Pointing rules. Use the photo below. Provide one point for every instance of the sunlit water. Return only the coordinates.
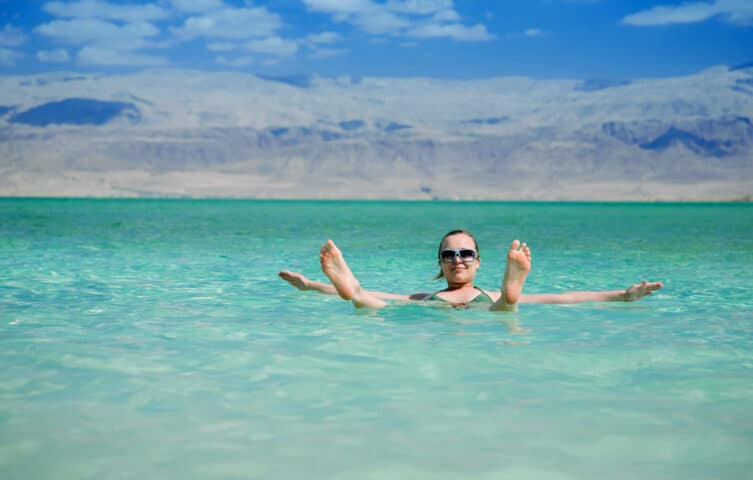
(153, 340)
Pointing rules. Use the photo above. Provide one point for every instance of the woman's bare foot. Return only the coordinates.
(516, 271)
(338, 272)
(346, 284)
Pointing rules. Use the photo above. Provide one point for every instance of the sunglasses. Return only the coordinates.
(466, 255)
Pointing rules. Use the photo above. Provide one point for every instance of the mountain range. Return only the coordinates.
(203, 134)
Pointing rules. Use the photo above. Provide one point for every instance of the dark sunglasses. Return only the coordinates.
(466, 255)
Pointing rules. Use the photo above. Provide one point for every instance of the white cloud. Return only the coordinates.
(324, 37)
(380, 21)
(275, 46)
(97, 9)
(59, 55)
(109, 33)
(412, 18)
(235, 62)
(231, 23)
(81, 31)
(9, 57)
(446, 16)
(323, 53)
(221, 46)
(11, 36)
(418, 7)
(314, 43)
(196, 6)
(454, 31)
(731, 11)
(660, 15)
(365, 14)
(103, 43)
(338, 7)
(534, 32)
(227, 27)
(98, 55)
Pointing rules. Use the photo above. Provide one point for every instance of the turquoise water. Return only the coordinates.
(153, 339)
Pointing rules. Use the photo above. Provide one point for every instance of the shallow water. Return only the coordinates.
(153, 339)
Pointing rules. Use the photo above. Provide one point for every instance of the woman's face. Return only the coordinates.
(458, 271)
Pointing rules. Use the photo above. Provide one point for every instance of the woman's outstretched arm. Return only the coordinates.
(630, 294)
(301, 282)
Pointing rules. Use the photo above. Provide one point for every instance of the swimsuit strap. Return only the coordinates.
(482, 294)
(481, 297)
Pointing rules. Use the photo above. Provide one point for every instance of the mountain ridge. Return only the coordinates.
(513, 137)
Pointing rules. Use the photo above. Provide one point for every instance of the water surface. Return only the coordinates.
(153, 339)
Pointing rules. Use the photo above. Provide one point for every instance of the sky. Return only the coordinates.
(456, 39)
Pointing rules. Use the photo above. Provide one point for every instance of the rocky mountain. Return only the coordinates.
(221, 134)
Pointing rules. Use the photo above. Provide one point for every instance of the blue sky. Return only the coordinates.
(395, 38)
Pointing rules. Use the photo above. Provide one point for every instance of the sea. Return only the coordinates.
(153, 339)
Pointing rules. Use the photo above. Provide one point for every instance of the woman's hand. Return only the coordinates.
(296, 279)
(640, 290)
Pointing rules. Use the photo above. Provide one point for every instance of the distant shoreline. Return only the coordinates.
(744, 200)
(209, 184)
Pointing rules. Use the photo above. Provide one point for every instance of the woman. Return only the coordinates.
(459, 260)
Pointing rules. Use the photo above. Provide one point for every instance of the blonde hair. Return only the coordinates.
(449, 234)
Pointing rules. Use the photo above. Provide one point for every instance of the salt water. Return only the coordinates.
(152, 339)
